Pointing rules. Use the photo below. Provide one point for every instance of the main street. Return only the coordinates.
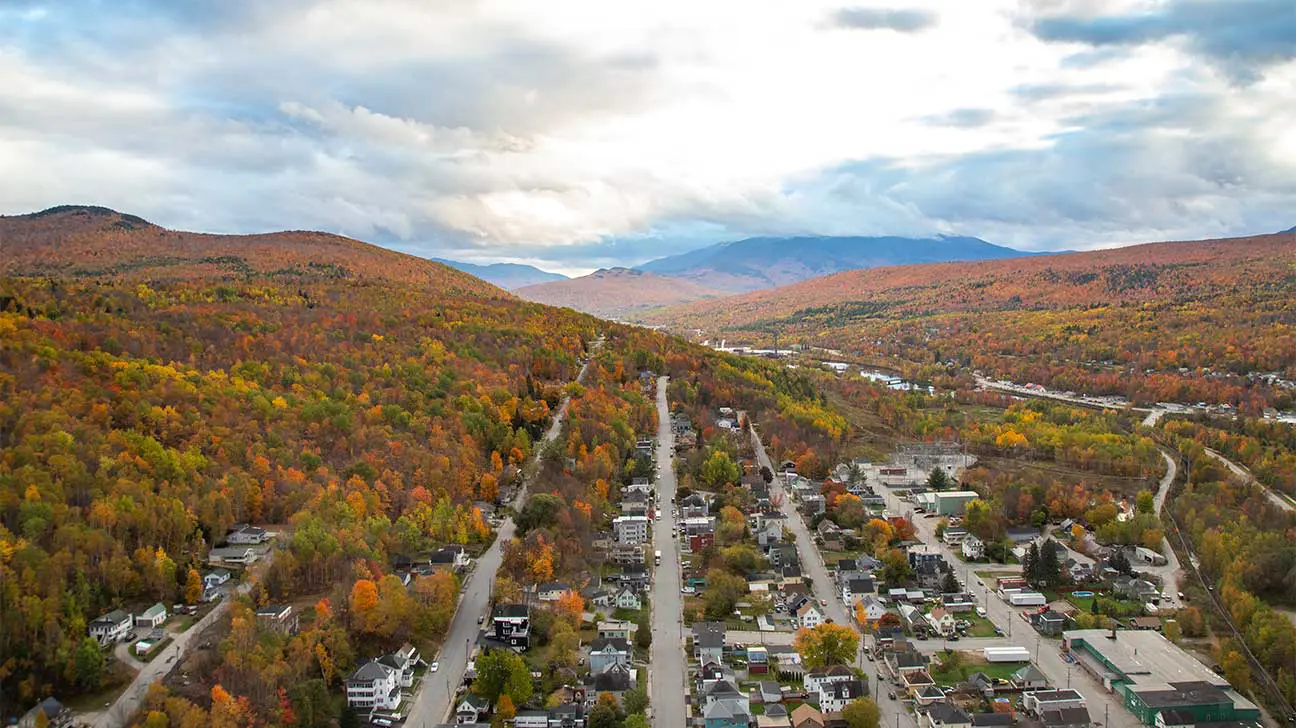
(893, 713)
(667, 674)
(432, 702)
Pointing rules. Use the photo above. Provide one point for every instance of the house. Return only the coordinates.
(980, 682)
(708, 642)
(954, 536)
(1050, 623)
(858, 587)
(927, 695)
(835, 696)
(871, 608)
(769, 533)
(601, 597)
(630, 529)
(215, 578)
(111, 627)
(958, 603)
(695, 505)
(454, 557)
(944, 715)
(470, 709)
(915, 680)
(775, 716)
(1068, 718)
(531, 719)
(552, 591)
(1039, 701)
(615, 678)
(627, 599)
(827, 530)
(806, 716)
(403, 661)
(809, 616)
(567, 715)
(973, 548)
(56, 716)
(511, 625)
(278, 618)
(1029, 678)
(625, 554)
(244, 534)
(725, 714)
(154, 616)
(711, 673)
(616, 629)
(812, 504)
(820, 677)
(784, 553)
(374, 686)
(941, 621)
(233, 555)
(608, 651)
(634, 503)
(724, 690)
(1144, 623)
(770, 692)
(634, 576)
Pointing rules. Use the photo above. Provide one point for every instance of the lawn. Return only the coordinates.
(981, 627)
(967, 663)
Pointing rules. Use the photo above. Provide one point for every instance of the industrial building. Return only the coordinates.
(947, 503)
(1152, 676)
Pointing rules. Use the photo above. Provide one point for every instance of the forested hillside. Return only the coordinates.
(1185, 322)
(359, 402)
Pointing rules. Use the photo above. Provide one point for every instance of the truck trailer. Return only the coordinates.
(1027, 599)
(1006, 654)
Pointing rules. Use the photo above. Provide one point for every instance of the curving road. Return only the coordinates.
(431, 704)
(1274, 497)
(667, 673)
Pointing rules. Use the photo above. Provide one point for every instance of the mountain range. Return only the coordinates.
(755, 263)
(615, 293)
(509, 276)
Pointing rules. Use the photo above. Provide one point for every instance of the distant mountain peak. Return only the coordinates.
(89, 212)
(509, 276)
(1290, 230)
(765, 262)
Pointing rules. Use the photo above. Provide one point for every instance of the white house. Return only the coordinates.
(872, 608)
(240, 555)
(605, 652)
(627, 599)
(215, 578)
(470, 709)
(403, 661)
(616, 629)
(816, 679)
(374, 686)
(630, 529)
(809, 616)
(154, 616)
(111, 627)
(973, 547)
(243, 534)
(1039, 701)
(835, 696)
(941, 620)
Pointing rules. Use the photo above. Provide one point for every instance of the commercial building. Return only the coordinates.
(1151, 675)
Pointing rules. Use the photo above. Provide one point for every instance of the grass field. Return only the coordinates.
(966, 663)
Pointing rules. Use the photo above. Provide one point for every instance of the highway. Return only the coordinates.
(668, 676)
(432, 703)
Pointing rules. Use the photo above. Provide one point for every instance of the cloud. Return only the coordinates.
(1242, 37)
(901, 21)
(584, 137)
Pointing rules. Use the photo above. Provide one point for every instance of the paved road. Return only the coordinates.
(158, 668)
(893, 713)
(1172, 571)
(432, 702)
(668, 677)
(1276, 498)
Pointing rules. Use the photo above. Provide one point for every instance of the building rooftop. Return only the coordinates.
(1149, 661)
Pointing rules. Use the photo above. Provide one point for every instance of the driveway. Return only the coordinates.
(668, 676)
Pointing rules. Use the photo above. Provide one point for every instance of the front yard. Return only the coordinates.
(957, 666)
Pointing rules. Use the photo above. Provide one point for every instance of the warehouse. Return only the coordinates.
(1151, 675)
(951, 503)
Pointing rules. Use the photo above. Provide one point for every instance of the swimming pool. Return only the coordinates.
(1081, 594)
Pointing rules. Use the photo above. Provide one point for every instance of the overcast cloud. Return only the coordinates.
(582, 134)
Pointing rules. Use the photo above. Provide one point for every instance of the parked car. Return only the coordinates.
(434, 667)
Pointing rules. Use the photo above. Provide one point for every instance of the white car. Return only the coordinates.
(687, 590)
(434, 667)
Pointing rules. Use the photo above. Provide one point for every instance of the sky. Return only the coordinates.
(581, 134)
